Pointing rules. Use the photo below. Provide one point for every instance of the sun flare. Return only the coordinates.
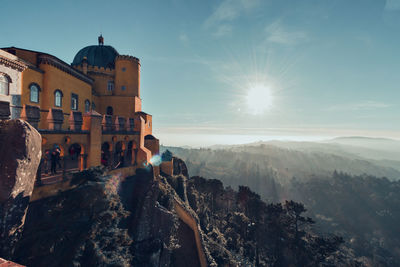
(259, 99)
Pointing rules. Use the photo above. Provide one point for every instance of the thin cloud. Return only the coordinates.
(366, 105)
(277, 33)
(392, 5)
(223, 30)
(184, 38)
(229, 10)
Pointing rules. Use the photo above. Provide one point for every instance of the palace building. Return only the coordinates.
(89, 109)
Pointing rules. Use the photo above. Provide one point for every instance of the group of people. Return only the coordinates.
(52, 156)
(119, 158)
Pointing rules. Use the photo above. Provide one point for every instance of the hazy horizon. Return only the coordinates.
(172, 137)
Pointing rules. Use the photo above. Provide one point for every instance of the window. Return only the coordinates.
(4, 84)
(87, 105)
(123, 87)
(74, 102)
(58, 95)
(110, 85)
(123, 69)
(93, 106)
(109, 110)
(34, 94)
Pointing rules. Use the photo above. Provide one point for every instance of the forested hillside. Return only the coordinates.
(347, 195)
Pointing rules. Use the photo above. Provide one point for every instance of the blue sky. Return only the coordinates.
(331, 67)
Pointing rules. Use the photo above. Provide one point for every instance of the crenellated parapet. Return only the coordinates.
(61, 65)
(127, 57)
(96, 70)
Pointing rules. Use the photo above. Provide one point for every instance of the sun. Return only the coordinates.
(259, 99)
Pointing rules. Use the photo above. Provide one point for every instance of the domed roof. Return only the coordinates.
(97, 55)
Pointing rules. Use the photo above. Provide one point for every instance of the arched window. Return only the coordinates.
(58, 95)
(110, 85)
(34, 94)
(74, 101)
(93, 106)
(109, 110)
(4, 84)
(87, 105)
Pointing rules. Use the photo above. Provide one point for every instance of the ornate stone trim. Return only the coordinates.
(12, 64)
(53, 61)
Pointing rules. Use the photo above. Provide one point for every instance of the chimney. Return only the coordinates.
(101, 40)
(84, 65)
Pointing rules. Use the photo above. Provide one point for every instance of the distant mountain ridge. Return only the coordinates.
(301, 159)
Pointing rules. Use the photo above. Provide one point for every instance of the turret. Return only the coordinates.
(127, 76)
(84, 65)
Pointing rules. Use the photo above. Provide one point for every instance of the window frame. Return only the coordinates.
(110, 86)
(38, 92)
(55, 97)
(7, 82)
(74, 96)
(87, 104)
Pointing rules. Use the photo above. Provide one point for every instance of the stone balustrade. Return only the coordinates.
(55, 119)
(119, 123)
(75, 121)
(31, 114)
(130, 124)
(106, 123)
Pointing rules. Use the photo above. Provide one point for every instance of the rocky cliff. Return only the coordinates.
(20, 152)
(142, 220)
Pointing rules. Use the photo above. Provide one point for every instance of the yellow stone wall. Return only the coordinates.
(101, 76)
(30, 56)
(130, 78)
(64, 142)
(30, 76)
(55, 78)
(122, 105)
(125, 103)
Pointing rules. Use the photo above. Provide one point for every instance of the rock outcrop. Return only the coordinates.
(20, 152)
(104, 220)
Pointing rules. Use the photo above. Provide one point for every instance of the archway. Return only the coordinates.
(105, 154)
(75, 158)
(129, 153)
(110, 110)
(134, 152)
(119, 154)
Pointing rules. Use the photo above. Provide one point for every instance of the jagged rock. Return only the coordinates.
(20, 146)
(180, 167)
(142, 221)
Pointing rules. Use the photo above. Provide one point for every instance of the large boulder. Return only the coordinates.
(20, 153)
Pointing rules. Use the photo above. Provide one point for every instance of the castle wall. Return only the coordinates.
(191, 222)
(14, 96)
(122, 105)
(30, 76)
(127, 75)
(101, 78)
(153, 145)
(167, 167)
(50, 74)
(30, 56)
(55, 78)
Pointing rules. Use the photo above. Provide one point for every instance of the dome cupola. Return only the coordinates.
(97, 55)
